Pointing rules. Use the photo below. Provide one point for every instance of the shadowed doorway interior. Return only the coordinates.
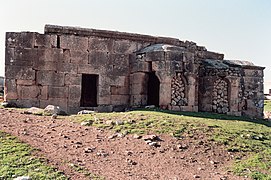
(153, 89)
(89, 90)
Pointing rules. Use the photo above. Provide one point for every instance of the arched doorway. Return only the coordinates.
(153, 89)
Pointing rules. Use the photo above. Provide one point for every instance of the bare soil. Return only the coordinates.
(63, 143)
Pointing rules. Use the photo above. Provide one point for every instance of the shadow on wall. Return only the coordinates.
(213, 116)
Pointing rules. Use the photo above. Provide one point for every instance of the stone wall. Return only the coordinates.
(237, 89)
(42, 69)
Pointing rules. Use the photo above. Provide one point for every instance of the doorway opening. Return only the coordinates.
(153, 89)
(89, 90)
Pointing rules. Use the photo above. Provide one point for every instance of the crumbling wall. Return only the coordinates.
(229, 87)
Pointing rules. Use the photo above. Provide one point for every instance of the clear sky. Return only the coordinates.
(241, 29)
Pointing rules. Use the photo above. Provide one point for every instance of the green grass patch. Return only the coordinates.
(238, 134)
(16, 160)
(267, 105)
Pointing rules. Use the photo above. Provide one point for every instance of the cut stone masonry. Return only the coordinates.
(79, 68)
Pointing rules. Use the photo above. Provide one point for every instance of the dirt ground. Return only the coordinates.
(63, 143)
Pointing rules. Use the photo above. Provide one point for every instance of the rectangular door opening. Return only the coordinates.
(89, 90)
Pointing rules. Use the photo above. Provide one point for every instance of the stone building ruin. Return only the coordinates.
(78, 68)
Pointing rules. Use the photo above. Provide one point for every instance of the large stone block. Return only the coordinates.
(65, 56)
(140, 66)
(125, 46)
(138, 89)
(155, 56)
(46, 65)
(174, 56)
(19, 72)
(138, 77)
(10, 89)
(100, 44)
(79, 57)
(20, 56)
(75, 93)
(58, 92)
(99, 59)
(138, 100)
(118, 81)
(50, 54)
(50, 78)
(28, 92)
(22, 39)
(104, 99)
(119, 99)
(119, 90)
(67, 68)
(43, 92)
(88, 69)
(74, 42)
(45, 40)
(119, 64)
(73, 79)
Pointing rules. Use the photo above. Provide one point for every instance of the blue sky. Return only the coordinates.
(241, 29)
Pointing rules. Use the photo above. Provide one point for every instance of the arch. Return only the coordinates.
(179, 90)
(220, 96)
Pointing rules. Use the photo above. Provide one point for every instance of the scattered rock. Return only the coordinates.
(54, 116)
(196, 176)
(6, 104)
(23, 178)
(113, 136)
(89, 149)
(102, 153)
(137, 136)
(154, 144)
(51, 109)
(131, 162)
(119, 122)
(109, 122)
(128, 153)
(213, 162)
(85, 112)
(151, 137)
(182, 146)
(34, 110)
(87, 123)
(150, 107)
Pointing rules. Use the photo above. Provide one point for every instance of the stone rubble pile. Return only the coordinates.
(178, 91)
(220, 97)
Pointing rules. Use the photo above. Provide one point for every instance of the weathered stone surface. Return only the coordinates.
(22, 39)
(50, 78)
(74, 43)
(74, 93)
(50, 54)
(19, 72)
(100, 44)
(57, 92)
(73, 79)
(44, 40)
(79, 57)
(119, 90)
(10, 89)
(61, 102)
(128, 70)
(28, 92)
